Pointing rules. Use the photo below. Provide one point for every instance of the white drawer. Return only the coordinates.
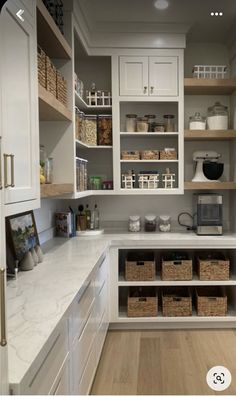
(101, 335)
(88, 374)
(81, 309)
(101, 275)
(61, 384)
(44, 370)
(101, 303)
(82, 347)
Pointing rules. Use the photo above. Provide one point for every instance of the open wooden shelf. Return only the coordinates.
(202, 86)
(50, 37)
(210, 134)
(84, 145)
(148, 134)
(210, 185)
(50, 109)
(148, 161)
(82, 105)
(53, 190)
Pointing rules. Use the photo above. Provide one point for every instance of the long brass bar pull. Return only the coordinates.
(6, 184)
(12, 170)
(3, 340)
(1, 184)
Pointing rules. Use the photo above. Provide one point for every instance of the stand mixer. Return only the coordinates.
(208, 169)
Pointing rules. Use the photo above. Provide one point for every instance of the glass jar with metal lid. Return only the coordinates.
(142, 124)
(151, 120)
(131, 122)
(218, 117)
(197, 122)
(150, 223)
(169, 120)
(134, 224)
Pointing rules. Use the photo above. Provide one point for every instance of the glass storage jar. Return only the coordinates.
(48, 170)
(142, 124)
(169, 121)
(150, 223)
(134, 224)
(197, 122)
(159, 127)
(151, 120)
(165, 223)
(104, 130)
(90, 127)
(131, 122)
(218, 117)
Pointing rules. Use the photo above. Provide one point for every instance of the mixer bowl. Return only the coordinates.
(213, 170)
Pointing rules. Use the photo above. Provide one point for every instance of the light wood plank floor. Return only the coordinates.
(170, 362)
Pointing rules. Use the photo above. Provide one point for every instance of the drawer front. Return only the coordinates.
(101, 303)
(101, 335)
(42, 378)
(61, 385)
(88, 374)
(81, 310)
(82, 348)
(101, 275)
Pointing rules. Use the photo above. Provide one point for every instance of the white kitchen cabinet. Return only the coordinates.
(61, 386)
(19, 113)
(148, 76)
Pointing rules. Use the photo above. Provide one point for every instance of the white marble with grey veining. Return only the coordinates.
(38, 299)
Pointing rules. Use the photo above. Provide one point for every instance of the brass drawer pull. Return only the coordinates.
(12, 157)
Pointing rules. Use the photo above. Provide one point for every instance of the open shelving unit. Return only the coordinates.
(84, 145)
(50, 109)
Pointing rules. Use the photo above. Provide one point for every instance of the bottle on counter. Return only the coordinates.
(95, 221)
(88, 217)
(81, 219)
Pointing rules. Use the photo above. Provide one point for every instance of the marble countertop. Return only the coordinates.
(38, 299)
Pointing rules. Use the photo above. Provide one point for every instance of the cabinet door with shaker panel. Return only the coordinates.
(19, 106)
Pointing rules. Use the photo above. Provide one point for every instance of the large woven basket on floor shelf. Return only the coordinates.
(211, 301)
(142, 302)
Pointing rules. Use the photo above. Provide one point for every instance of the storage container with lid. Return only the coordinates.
(104, 130)
(131, 122)
(169, 120)
(90, 126)
(142, 124)
(134, 223)
(151, 120)
(159, 127)
(150, 223)
(218, 117)
(165, 223)
(197, 122)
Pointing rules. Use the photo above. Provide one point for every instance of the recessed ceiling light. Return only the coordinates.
(161, 4)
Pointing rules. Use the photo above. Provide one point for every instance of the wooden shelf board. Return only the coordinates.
(148, 161)
(82, 105)
(201, 86)
(209, 134)
(50, 109)
(194, 282)
(210, 185)
(84, 145)
(144, 191)
(53, 190)
(50, 37)
(148, 134)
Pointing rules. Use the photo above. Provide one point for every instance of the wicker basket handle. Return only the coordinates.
(212, 298)
(177, 262)
(177, 298)
(214, 262)
(142, 299)
(140, 262)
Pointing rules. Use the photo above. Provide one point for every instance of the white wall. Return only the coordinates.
(45, 218)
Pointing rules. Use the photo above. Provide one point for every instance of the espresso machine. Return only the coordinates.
(209, 214)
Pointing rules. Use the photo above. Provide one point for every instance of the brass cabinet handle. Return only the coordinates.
(145, 89)
(12, 170)
(152, 89)
(6, 184)
(1, 185)
(3, 340)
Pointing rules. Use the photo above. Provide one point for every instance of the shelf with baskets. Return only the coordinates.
(50, 108)
(158, 281)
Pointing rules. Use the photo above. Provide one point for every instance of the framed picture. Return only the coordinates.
(22, 233)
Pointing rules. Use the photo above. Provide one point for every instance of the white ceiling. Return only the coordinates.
(192, 16)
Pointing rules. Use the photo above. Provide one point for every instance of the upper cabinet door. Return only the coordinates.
(133, 76)
(19, 105)
(163, 76)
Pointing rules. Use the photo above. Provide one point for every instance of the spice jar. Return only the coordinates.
(165, 223)
(169, 122)
(134, 223)
(142, 124)
(131, 122)
(150, 223)
(218, 117)
(159, 127)
(197, 122)
(151, 120)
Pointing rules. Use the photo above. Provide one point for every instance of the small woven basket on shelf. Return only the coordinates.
(140, 267)
(142, 302)
(211, 301)
(51, 77)
(176, 302)
(176, 269)
(41, 67)
(61, 89)
(213, 267)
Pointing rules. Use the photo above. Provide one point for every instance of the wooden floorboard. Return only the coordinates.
(169, 362)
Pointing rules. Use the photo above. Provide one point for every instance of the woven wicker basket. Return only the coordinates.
(140, 267)
(150, 155)
(176, 269)
(142, 302)
(211, 301)
(176, 302)
(168, 155)
(130, 155)
(41, 67)
(61, 89)
(51, 77)
(213, 267)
